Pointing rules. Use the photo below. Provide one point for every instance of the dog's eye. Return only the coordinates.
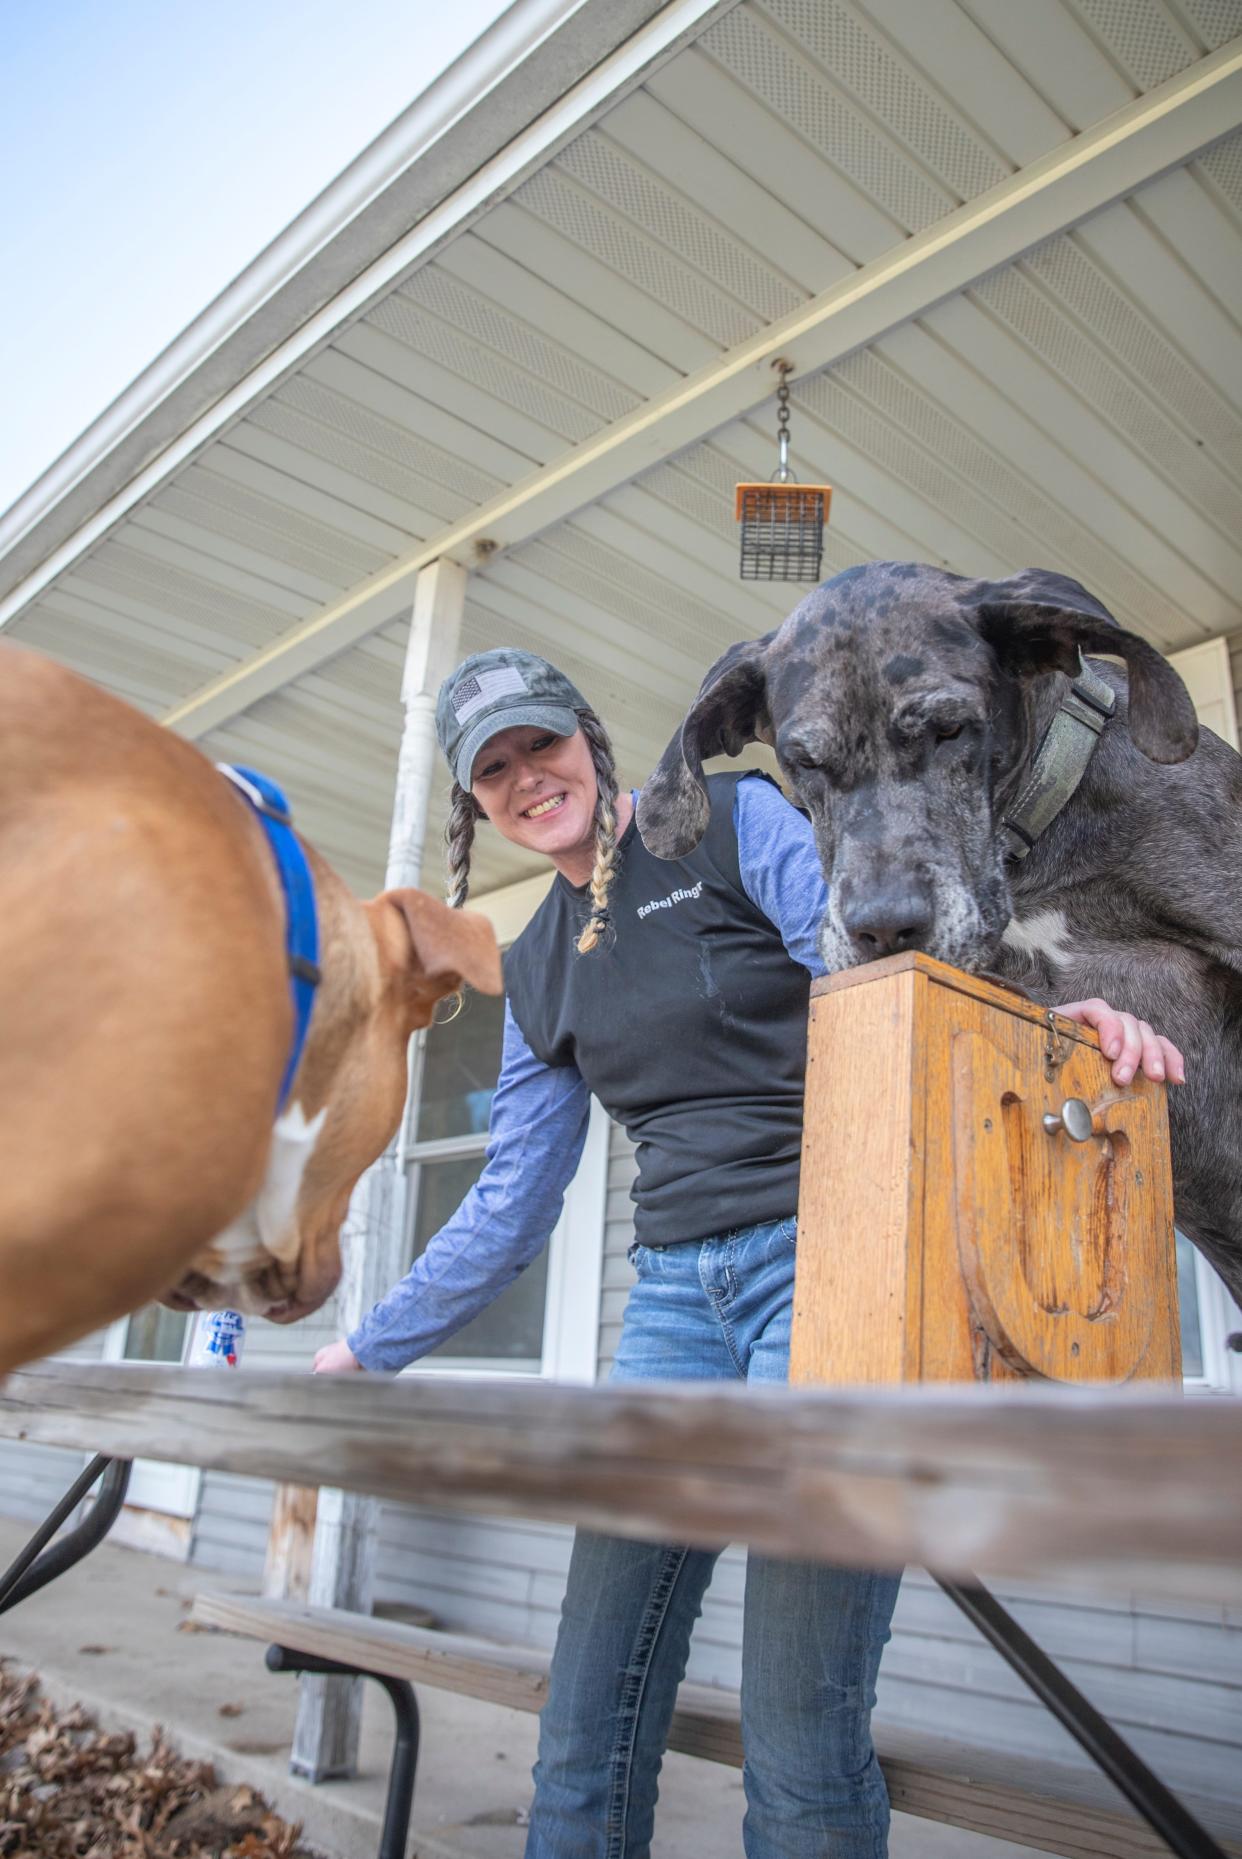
(947, 732)
(796, 757)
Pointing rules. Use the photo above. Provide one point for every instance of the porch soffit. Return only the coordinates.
(534, 53)
(1079, 405)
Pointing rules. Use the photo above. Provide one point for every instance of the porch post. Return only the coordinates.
(325, 1741)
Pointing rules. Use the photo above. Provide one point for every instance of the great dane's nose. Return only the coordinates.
(888, 920)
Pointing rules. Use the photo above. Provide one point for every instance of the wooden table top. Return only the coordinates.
(1134, 1486)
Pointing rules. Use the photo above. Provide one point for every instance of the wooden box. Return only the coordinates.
(979, 1201)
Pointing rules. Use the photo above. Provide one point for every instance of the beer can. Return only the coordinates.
(218, 1339)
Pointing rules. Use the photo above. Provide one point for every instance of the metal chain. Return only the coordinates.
(782, 423)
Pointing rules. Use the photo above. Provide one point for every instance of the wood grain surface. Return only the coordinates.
(859, 1268)
(944, 1233)
(1131, 1485)
(290, 1543)
(1047, 1805)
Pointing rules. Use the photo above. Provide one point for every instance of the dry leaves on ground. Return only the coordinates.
(68, 1790)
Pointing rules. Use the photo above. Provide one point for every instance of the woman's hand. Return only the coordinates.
(1129, 1042)
(337, 1359)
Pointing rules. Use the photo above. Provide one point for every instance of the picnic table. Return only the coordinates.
(1131, 1486)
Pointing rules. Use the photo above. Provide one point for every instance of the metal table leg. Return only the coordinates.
(42, 1560)
(404, 1764)
(1145, 1791)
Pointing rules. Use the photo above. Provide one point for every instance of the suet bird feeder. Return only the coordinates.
(782, 520)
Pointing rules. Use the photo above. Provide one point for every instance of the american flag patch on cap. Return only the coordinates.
(484, 687)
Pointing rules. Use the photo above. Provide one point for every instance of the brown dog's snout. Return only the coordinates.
(278, 1292)
(188, 1293)
(274, 1283)
(286, 1293)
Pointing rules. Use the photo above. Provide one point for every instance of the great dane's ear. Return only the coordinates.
(730, 710)
(1039, 621)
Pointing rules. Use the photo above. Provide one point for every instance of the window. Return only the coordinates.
(154, 1334)
(1209, 1317)
(547, 1321)
(1209, 1314)
(460, 1062)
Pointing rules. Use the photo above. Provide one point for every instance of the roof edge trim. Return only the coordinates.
(500, 87)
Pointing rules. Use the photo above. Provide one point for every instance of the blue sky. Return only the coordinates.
(149, 149)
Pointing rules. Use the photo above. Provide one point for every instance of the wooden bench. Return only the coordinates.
(1050, 1806)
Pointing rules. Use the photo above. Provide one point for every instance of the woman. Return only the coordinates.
(677, 993)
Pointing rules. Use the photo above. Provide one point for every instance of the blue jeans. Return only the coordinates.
(712, 1310)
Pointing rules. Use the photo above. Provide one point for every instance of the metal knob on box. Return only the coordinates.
(1076, 1118)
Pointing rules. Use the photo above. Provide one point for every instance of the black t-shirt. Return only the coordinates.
(687, 1021)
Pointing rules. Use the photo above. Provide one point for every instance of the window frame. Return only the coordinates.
(571, 1312)
(166, 1488)
(1208, 676)
(1219, 1317)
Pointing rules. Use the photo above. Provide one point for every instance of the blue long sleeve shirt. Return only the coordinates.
(539, 1118)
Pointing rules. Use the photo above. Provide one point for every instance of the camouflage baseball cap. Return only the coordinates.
(497, 690)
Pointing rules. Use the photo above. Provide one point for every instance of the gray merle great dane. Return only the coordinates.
(979, 792)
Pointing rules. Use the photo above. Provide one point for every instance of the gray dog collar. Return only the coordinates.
(1061, 760)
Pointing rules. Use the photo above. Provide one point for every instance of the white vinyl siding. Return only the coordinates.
(34, 1478)
(1211, 672)
(618, 1233)
(1208, 672)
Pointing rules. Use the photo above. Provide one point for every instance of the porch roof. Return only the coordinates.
(532, 328)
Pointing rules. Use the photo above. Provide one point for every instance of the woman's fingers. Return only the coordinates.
(1118, 1033)
(1174, 1063)
(335, 1359)
(1130, 1043)
(1130, 1054)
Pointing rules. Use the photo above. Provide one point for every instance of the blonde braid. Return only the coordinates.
(604, 869)
(464, 811)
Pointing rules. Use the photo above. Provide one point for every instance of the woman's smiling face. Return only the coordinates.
(539, 790)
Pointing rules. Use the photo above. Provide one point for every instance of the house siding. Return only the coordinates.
(34, 1478)
(233, 1516)
(489, 1575)
(618, 1233)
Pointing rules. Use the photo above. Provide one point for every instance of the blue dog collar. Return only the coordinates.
(301, 920)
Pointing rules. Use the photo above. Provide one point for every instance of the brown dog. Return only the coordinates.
(146, 1021)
